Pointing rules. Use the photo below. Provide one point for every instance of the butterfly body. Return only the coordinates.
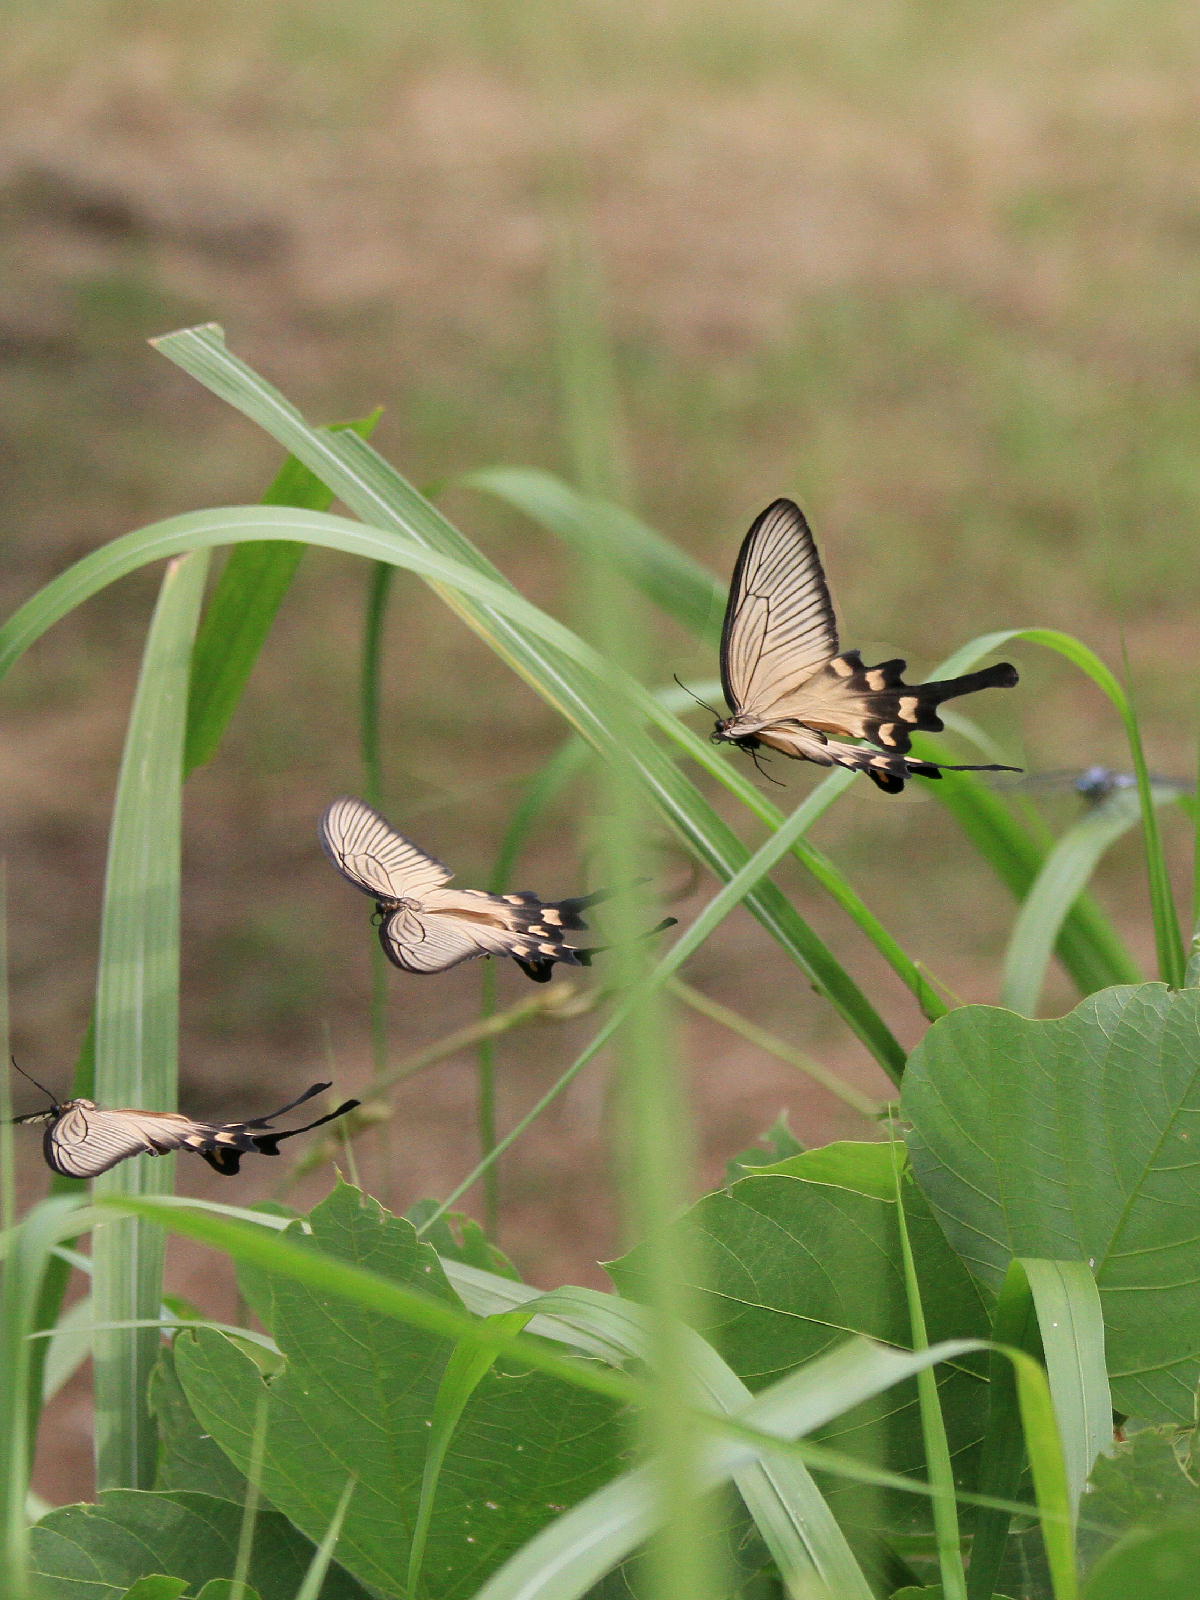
(424, 926)
(82, 1139)
(790, 687)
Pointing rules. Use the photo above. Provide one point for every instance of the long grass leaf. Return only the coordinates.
(933, 1424)
(314, 1578)
(1002, 1457)
(242, 609)
(137, 1017)
(574, 1552)
(30, 1246)
(1071, 1324)
(789, 1510)
(1050, 1479)
(464, 1372)
(1167, 936)
(1065, 871)
(675, 581)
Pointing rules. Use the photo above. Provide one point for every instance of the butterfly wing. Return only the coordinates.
(86, 1141)
(223, 1144)
(368, 851)
(458, 925)
(779, 624)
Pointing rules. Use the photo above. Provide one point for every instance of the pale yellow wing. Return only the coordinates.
(779, 624)
(367, 850)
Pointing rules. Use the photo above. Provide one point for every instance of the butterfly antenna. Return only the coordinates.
(757, 759)
(711, 709)
(53, 1099)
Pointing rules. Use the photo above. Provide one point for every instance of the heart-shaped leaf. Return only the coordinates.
(1078, 1140)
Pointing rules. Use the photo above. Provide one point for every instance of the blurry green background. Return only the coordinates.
(933, 270)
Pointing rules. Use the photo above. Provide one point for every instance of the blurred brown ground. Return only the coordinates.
(935, 274)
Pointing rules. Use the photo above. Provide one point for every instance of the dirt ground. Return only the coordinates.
(934, 276)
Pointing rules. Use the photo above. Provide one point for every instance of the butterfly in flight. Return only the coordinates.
(788, 684)
(425, 927)
(83, 1140)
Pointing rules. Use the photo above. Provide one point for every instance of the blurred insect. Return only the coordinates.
(425, 927)
(1096, 784)
(789, 686)
(83, 1140)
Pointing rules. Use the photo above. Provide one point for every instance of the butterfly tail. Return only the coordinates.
(262, 1122)
(267, 1144)
(876, 703)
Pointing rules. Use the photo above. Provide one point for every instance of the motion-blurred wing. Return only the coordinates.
(779, 623)
(367, 850)
(86, 1141)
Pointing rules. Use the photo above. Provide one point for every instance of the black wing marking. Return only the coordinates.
(368, 851)
(780, 624)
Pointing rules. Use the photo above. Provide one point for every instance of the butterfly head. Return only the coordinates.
(727, 732)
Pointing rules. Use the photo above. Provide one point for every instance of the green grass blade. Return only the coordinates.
(1014, 1326)
(1071, 1324)
(243, 607)
(137, 1017)
(1050, 1480)
(1064, 873)
(29, 1252)
(314, 1578)
(789, 1510)
(574, 1552)
(465, 1370)
(933, 1426)
(566, 764)
(1168, 938)
(1087, 944)
(663, 572)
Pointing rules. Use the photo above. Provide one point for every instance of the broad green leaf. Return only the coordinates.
(1071, 1140)
(84, 1552)
(1161, 1565)
(355, 1399)
(188, 1457)
(574, 1551)
(458, 1237)
(805, 1252)
(1140, 1486)
(157, 1587)
(137, 1019)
